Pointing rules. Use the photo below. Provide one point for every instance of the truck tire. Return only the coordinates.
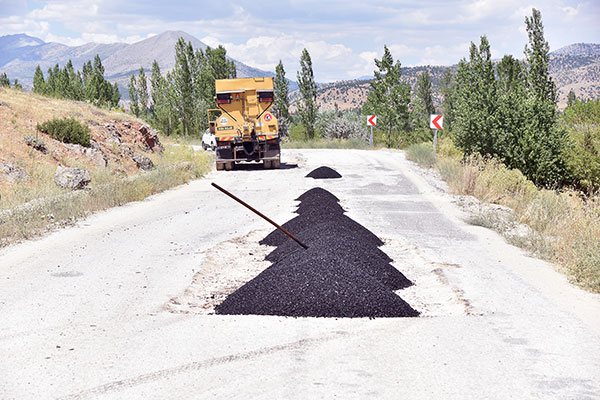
(204, 146)
(220, 166)
(267, 164)
(229, 165)
(276, 164)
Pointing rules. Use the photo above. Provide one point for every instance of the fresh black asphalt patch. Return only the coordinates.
(324, 173)
(343, 273)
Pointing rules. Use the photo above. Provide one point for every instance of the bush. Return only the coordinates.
(35, 142)
(422, 154)
(67, 130)
(582, 122)
(345, 127)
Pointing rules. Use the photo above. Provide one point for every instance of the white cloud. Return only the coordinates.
(264, 52)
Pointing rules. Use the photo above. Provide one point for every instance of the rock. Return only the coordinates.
(12, 173)
(126, 151)
(95, 156)
(143, 162)
(72, 178)
(150, 138)
(76, 149)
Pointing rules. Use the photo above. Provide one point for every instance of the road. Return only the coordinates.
(83, 310)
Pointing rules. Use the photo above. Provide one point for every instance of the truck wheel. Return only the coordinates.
(204, 146)
(267, 164)
(229, 166)
(276, 164)
(220, 166)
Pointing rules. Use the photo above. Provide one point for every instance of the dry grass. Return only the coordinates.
(33, 206)
(565, 225)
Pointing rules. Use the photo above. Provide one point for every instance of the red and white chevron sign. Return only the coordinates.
(436, 121)
(372, 120)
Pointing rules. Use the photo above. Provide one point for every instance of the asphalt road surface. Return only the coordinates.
(83, 310)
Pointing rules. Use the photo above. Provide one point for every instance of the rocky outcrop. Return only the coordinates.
(72, 178)
(151, 138)
(11, 172)
(143, 162)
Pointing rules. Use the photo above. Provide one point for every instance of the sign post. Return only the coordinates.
(436, 121)
(371, 121)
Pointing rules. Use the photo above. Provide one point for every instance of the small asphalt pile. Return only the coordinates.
(343, 273)
(324, 173)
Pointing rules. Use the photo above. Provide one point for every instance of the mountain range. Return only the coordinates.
(575, 67)
(20, 54)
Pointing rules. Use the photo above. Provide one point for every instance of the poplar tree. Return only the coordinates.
(39, 84)
(307, 107)
(182, 78)
(511, 113)
(133, 96)
(424, 98)
(447, 89)
(142, 93)
(546, 141)
(281, 89)
(476, 101)
(390, 97)
(162, 111)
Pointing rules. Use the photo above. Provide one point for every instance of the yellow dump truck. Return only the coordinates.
(244, 127)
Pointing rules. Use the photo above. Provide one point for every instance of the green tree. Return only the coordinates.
(476, 102)
(390, 97)
(4, 81)
(281, 89)
(182, 78)
(447, 89)
(163, 112)
(582, 122)
(571, 98)
(511, 113)
(545, 141)
(133, 96)
(307, 107)
(39, 84)
(116, 96)
(17, 85)
(424, 99)
(142, 93)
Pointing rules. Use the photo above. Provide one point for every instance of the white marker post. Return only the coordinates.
(371, 121)
(436, 121)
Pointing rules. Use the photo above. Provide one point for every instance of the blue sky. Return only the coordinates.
(343, 37)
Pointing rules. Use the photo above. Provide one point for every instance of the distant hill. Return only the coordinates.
(352, 94)
(20, 54)
(576, 67)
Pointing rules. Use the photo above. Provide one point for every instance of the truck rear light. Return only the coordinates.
(223, 98)
(265, 96)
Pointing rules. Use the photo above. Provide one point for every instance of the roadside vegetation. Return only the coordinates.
(85, 85)
(509, 145)
(32, 203)
(565, 224)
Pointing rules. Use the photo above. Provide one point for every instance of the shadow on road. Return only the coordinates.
(259, 166)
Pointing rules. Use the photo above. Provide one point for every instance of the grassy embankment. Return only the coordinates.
(565, 225)
(35, 205)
